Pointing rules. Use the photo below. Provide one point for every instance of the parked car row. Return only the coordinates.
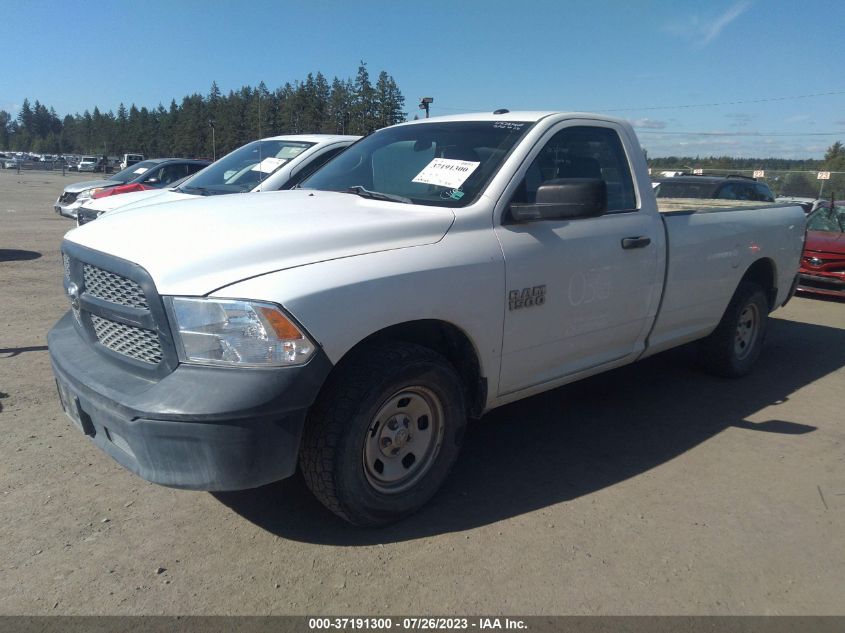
(270, 164)
(150, 174)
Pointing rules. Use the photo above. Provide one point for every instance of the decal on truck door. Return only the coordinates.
(527, 297)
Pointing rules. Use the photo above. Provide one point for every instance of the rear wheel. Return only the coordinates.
(384, 433)
(734, 346)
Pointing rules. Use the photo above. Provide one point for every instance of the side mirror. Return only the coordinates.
(564, 198)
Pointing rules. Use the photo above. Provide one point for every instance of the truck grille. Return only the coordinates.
(113, 288)
(128, 340)
(118, 310)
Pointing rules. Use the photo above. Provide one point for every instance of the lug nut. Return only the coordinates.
(393, 424)
(385, 442)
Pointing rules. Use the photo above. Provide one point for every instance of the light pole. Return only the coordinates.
(425, 104)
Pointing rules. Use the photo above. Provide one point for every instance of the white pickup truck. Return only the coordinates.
(434, 271)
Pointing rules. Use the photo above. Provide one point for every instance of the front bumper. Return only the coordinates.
(84, 215)
(67, 210)
(199, 427)
(831, 285)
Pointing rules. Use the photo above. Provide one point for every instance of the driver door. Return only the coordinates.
(578, 296)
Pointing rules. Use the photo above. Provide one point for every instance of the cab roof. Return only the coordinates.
(312, 138)
(530, 116)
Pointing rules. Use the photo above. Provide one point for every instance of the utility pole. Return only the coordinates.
(425, 104)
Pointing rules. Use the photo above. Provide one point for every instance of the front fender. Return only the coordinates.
(459, 280)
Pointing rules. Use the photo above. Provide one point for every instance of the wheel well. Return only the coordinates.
(762, 273)
(449, 341)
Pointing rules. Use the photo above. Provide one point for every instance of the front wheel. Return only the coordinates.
(734, 346)
(384, 433)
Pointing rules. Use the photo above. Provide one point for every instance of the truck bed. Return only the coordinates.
(707, 256)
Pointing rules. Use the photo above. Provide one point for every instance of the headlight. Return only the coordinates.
(233, 332)
(88, 193)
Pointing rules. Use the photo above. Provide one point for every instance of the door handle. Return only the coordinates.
(635, 242)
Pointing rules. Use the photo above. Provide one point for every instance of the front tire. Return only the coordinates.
(384, 433)
(734, 346)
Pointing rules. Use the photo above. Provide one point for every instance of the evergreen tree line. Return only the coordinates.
(350, 106)
(729, 162)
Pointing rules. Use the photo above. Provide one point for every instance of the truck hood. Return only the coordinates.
(196, 246)
(825, 242)
(77, 187)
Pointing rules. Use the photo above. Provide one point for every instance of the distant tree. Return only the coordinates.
(339, 107)
(388, 101)
(23, 137)
(801, 185)
(834, 157)
(321, 94)
(121, 125)
(364, 117)
(5, 120)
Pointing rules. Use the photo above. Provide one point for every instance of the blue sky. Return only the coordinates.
(765, 63)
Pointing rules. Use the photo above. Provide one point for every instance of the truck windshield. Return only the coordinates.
(245, 168)
(431, 163)
(827, 220)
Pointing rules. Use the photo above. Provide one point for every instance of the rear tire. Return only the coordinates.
(734, 346)
(384, 433)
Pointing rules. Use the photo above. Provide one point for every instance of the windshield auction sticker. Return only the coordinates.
(269, 165)
(140, 170)
(446, 172)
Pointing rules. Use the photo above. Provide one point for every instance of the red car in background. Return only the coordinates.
(154, 174)
(823, 261)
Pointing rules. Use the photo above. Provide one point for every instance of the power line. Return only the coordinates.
(684, 105)
(724, 103)
(730, 134)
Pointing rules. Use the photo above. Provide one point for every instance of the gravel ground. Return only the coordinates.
(654, 489)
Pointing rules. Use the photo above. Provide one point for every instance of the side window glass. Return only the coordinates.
(746, 192)
(157, 174)
(764, 194)
(727, 192)
(582, 152)
(171, 173)
(309, 169)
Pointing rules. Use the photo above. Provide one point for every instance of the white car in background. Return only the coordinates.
(270, 164)
(130, 159)
(88, 163)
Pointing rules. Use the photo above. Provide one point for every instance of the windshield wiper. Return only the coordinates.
(376, 195)
(199, 190)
